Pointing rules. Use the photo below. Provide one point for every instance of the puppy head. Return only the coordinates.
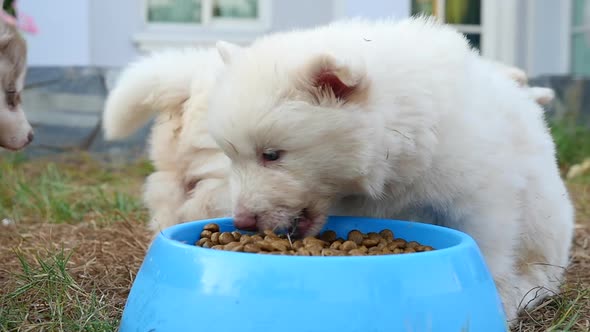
(15, 130)
(199, 192)
(295, 130)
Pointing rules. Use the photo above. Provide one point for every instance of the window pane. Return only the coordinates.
(463, 12)
(427, 7)
(174, 11)
(235, 8)
(581, 54)
(580, 9)
(474, 40)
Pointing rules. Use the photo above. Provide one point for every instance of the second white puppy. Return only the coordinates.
(190, 178)
(396, 120)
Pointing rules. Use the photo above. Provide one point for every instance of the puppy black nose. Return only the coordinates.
(30, 137)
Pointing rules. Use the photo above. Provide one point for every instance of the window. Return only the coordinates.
(179, 23)
(464, 15)
(204, 13)
(580, 38)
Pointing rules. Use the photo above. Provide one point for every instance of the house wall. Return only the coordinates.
(285, 14)
(62, 39)
(112, 24)
(288, 14)
(544, 49)
(102, 32)
(378, 8)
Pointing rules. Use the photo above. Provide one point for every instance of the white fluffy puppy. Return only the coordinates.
(190, 178)
(189, 182)
(395, 120)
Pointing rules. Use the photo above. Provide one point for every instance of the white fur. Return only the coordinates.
(175, 84)
(151, 83)
(542, 96)
(160, 83)
(436, 134)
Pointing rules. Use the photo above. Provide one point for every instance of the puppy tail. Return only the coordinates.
(158, 82)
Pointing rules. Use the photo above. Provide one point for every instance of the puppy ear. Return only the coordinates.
(7, 35)
(328, 81)
(13, 47)
(543, 96)
(227, 51)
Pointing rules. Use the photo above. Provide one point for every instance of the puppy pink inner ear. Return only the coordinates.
(327, 79)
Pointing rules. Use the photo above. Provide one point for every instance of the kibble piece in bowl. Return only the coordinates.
(326, 244)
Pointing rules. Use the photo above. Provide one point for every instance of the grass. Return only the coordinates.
(73, 192)
(47, 297)
(572, 142)
(44, 202)
(76, 237)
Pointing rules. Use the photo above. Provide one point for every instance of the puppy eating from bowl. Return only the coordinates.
(360, 119)
(15, 131)
(190, 181)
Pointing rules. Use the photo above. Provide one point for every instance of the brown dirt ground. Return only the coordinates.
(107, 259)
(104, 259)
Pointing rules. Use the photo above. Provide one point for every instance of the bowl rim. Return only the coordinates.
(465, 241)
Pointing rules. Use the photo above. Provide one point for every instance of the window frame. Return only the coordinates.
(497, 28)
(439, 13)
(156, 35)
(571, 31)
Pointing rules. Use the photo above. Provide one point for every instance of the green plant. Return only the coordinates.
(8, 7)
(68, 193)
(45, 296)
(572, 142)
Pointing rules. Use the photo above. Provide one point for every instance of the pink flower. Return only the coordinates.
(22, 21)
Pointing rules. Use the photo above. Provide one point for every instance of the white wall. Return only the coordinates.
(112, 24)
(63, 34)
(373, 9)
(289, 14)
(547, 39)
(100, 32)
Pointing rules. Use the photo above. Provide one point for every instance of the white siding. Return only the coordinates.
(62, 39)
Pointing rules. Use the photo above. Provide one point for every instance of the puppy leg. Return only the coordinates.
(545, 241)
(492, 217)
(163, 195)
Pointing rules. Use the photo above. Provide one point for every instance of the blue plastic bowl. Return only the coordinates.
(182, 287)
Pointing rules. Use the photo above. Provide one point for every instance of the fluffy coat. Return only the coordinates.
(159, 84)
(190, 178)
(394, 120)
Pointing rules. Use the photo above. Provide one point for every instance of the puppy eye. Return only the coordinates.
(190, 185)
(12, 98)
(271, 155)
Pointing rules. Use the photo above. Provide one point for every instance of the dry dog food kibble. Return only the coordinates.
(326, 244)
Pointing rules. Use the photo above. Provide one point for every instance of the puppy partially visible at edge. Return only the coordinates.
(15, 130)
(319, 121)
(190, 178)
(543, 96)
